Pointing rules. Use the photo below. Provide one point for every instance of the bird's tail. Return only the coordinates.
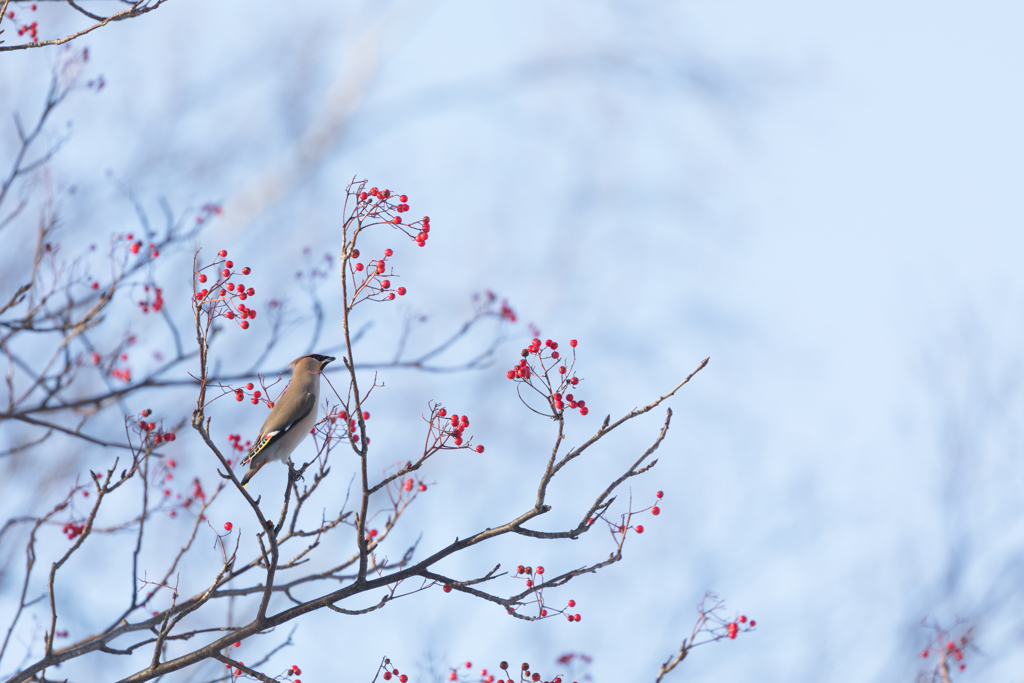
(251, 472)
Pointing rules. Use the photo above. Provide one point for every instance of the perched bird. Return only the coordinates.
(292, 416)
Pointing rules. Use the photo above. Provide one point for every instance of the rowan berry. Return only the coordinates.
(229, 264)
(554, 354)
(572, 603)
(246, 270)
(385, 284)
(249, 386)
(540, 570)
(222, 253)
(391, 296)
(743, 619)
(245, 324)
(479, 449)
(576, 617)
(584, 411)
(423, 487)
(655, 510)
(403, 679)
(135, 247)
(659, 494)
(575, 381)
(366, 416)
(572, 343)
(251, 292)
(520, 569)
(227, 526)
(229, 315)
(447, 588)
(401, 291)
(387, 253)
(561, 370)
(396, 220)
(359, 266)
(225, 272)
(403, 199)
(202, 277)
(363, 196)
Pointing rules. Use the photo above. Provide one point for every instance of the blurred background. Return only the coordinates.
(818, 198)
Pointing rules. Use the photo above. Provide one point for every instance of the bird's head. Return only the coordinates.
(313, 362)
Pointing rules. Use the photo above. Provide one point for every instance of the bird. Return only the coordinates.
(292, 416)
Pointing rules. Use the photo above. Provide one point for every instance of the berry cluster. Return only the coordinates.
(525, 674)
(223, 297)
(158, 299)
(375, 284)
(150, 432)
(952, 651)
(73, 530)
(391, 672)
(32, 29)
(534, 577)
(556, 377)
(451, 428)
(135, 246)
(454, 675)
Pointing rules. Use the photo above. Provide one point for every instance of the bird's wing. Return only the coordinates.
(271, 433)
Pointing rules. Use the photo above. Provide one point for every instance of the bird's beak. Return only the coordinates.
(328, 360)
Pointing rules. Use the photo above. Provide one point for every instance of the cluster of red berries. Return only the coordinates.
(374, 271)
(31, 29)
(733, 627)
(236, 443)
(566, 379)
(391, 672)
(454, 428)
(954, 650)
(526, 674)
(409, 483)
(135, 247)
(72, 530)
(484, 676)
(124, 374)
(149, 430)
(375, 202)
(209, 209)
(256, 394)
(225, 293)
(158, 297)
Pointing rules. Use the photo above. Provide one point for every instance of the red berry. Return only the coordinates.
(576, 617)
(403, 678)
(202, 277)
(366, 416)
(583, 411)
(245, 326)
(639, 528)
(246, 270)
(540, 570)
(401, 291)
(249, 386)
(387, 253)
(135, 247)
(423, 487)
(659, 494)
(222, 253)
(403, 199)
(753, 623)
(385, 284)
(396, 220)
(225, 272)
(479, 449)
(743, 619)
(227, 526)
(229, 264)
(655, 510)
(447, 588)
(391, 296)
(238, 644)
(251, 292)
(572, 603)
(572, 343)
